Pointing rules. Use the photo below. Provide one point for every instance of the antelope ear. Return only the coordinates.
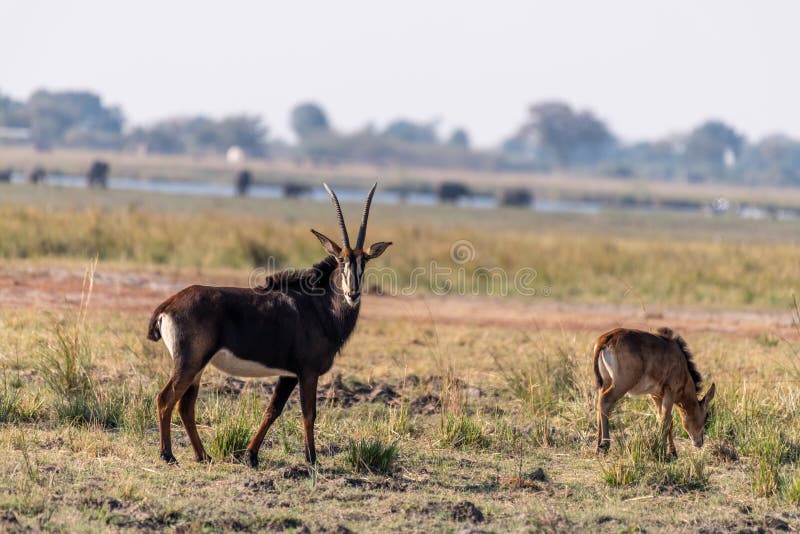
(709, 395)
(376, 249)
(327, 243)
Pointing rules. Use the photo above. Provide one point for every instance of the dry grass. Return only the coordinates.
(469, 426)
(400, 462)
(612, 259)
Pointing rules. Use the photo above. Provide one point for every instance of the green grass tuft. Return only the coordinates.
(371, 455)
(463, 432)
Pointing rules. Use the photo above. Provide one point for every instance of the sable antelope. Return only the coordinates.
(292, 327)
(659, 365)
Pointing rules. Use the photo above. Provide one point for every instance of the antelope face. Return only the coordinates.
(352, 265)
(694, 421)
(352, 261)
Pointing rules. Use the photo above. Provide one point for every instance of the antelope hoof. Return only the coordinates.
(168, 457)
(602, 447)
(252, 459)
(205, 459)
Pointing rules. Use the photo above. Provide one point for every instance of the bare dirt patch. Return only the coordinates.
(51, 288)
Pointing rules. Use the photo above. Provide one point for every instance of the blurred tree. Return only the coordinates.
(308, 120)
(712, 147)
(459, 138)
(162, 138)
(13, 114)
(411, 132)
(774, 160)
(568, 137)
(73, 118)
(245, 131)
(199, 135)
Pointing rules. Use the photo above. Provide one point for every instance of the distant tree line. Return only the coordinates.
(79, 119)
(553, 136)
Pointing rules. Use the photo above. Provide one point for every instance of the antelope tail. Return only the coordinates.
(598, 346)
(154, 331)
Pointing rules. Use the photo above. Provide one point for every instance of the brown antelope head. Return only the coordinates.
(694, 415)
(352, 260)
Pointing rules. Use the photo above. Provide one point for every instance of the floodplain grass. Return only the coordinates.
(475, 414)
(485, 446)
(601, 258)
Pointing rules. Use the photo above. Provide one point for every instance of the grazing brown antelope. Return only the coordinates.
(291, 327)
(659, 365)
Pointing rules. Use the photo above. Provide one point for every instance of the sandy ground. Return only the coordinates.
(53, 288)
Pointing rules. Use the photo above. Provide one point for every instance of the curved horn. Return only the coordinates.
(362, 232)
(335, 201)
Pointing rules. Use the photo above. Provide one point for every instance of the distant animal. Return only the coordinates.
(295, 190)
(452, 191)
(5, 175)
(516, 197)
(243, 182)
(659, 365)
(292, 327)
(98, 174)
(38, 174)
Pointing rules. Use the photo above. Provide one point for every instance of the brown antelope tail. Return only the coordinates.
(598, 346)
(154, 331)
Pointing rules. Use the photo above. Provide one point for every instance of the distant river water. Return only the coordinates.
(418, 198)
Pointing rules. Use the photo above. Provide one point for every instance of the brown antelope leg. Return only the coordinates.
(666, 425)
(166, 400)
(308, 405)
(281, 394)
(605, 402)
(186, 411)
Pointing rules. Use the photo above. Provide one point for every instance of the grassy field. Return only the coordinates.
(500, 419)
(652, 260)
(423, 425)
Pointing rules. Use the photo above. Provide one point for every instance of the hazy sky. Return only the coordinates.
(647, 69)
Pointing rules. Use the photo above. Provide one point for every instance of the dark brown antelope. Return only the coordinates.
(291, 327)
(659, 365)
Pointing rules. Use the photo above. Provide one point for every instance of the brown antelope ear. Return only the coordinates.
(327, 243)
(376, 249)
(709, 395)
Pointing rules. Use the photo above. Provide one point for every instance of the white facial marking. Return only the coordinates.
(350, 281)
(169, 333)
(228, 362)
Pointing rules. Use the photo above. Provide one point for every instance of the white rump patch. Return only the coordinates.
(169, 333)
(608, 367)
(228, 362)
